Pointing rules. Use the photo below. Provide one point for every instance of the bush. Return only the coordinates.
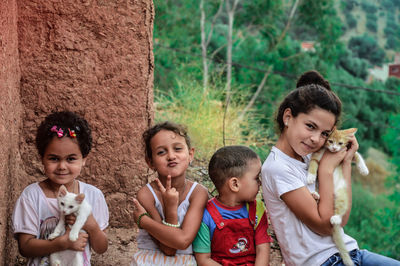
(203, 113)
(374, 222)
(351, 21)
(366, 47)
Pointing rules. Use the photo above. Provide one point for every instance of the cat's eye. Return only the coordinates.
(340, 143)
(62, 203)
(70, 206)
(330, 141)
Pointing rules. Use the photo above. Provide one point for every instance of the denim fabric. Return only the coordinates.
(362, 258)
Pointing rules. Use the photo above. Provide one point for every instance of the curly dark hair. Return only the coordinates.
(66, 121)
(312, 90)
(166, 125)
(229, 161)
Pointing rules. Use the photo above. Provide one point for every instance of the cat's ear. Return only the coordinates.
(62, 191)
(80, 197)
(350, 131)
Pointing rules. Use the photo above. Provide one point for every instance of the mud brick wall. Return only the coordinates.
(93, 57)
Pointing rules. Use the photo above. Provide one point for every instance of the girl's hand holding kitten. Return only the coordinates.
(330, 160)
(78, 245)
(351, 149)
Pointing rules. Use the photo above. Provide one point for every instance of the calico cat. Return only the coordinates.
(337, 141)
(70, 203)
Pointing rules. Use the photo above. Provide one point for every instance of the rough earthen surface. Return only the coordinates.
(91, 57)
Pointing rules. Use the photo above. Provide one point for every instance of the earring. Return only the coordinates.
(286, 123)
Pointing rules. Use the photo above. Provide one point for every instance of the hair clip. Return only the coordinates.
(60, 132)
(72, 133)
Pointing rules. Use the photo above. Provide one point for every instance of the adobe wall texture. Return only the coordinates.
(93, 57)
(10, 119)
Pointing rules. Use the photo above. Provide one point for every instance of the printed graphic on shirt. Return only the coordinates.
(240, 246)
(46, 228)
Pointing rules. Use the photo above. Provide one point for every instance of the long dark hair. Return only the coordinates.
(312, 90)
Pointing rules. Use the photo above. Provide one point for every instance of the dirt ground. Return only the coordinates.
(122, 245)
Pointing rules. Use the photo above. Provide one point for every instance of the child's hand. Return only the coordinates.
(330, 160)
(169, 194)
(138, 209)
(78, 245)
(352, 148)
(70, 219)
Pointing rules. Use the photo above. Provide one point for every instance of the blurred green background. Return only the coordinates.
(223, 66)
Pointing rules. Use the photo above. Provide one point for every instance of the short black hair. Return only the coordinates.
(66, 121)
(229, 161)
(166, 125)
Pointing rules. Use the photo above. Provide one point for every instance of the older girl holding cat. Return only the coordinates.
(169, 210)
(302, 225)
(63, 141)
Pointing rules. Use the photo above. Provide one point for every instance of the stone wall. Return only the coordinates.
(93, 57)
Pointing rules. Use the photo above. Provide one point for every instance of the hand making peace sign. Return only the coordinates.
(170, 196)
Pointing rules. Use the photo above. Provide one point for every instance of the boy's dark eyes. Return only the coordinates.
(71, 159)
(311, 126)
(53, 159)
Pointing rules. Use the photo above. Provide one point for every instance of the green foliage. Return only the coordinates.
(366, 47)
(351, 21)
(260, 42)
(354, 65)
(369, 7)
(203, 113)
(375, 223)
(372, 22)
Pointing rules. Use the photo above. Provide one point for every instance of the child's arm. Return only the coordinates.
(30, 246)
(262, 254)
(97, 237)
(177, 238)
(206, 260)
(146, 198)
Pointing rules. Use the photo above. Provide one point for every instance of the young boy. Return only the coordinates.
(234, 226)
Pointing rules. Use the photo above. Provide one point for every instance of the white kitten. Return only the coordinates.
(70, 203)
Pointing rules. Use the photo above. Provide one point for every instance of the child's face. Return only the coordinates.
(306, 133)
(170, 154)
(250, 181)
(62, 160)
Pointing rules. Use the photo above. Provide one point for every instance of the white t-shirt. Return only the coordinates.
(145, 241)
(299, 245)
(37, 215)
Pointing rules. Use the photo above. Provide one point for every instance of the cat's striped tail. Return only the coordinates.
(338, 240)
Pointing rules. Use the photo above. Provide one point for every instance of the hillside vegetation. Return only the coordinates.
(223, 66)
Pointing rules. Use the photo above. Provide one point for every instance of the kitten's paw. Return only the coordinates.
(53, 235)
(336, 219)
(315, 195)
(311, 178)
(73, 236)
